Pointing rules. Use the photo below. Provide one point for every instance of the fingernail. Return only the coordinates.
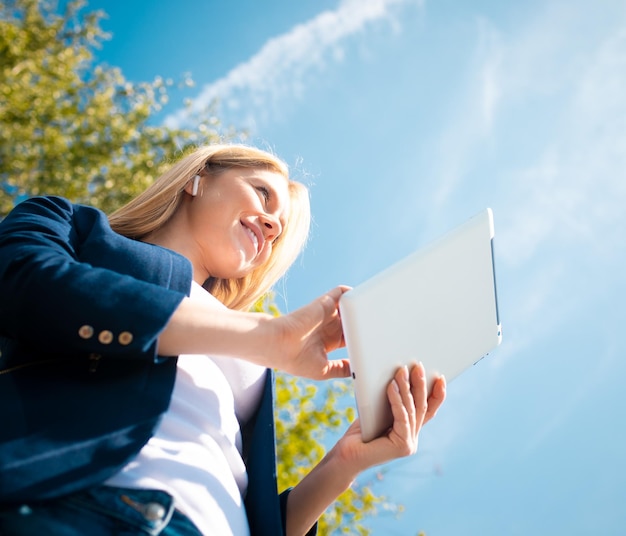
(395, 386)
(405, 372)
(420, 369)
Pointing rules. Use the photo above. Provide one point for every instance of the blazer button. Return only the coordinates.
(125, 338)
(85, 332)
(105, 337)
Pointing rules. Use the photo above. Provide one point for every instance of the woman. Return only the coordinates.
(116, 419)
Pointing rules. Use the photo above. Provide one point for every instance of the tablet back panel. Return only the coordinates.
(437, 306)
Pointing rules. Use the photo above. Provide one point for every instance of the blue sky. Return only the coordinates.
(406, 117)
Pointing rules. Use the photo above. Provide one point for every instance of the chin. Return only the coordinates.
(235, 273)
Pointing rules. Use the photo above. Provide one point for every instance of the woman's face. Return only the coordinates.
(233, 221)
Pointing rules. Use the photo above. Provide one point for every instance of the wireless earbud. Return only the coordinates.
(194, 187)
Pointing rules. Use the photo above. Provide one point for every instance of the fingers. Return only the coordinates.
(329, 303)
(407, 415)
(436, 398)
(333, 330)
(409, 400)
(339, 290)
(419, 390)
(330, 300)
(311, 333)
(419, 386)
(410, 404)
(337, 368)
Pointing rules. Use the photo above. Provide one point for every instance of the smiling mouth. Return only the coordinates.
(253, 237)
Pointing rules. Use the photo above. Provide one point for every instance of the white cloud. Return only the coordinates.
(552, 100)
(491, 50)
(280, 69)
(576, 192)
(560, 194)
(473, 117)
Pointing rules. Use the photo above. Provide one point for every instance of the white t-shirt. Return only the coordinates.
(195, 454)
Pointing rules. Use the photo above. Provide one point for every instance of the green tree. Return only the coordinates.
(305, 414)
(71, 127)
(68, 126)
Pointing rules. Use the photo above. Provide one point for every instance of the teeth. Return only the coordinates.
(254, 238)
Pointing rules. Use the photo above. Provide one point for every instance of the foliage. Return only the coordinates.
(74, 128)
(306, 415)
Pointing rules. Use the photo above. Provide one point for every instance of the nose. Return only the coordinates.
(271, 227)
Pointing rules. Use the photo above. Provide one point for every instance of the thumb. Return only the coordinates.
(330, 300)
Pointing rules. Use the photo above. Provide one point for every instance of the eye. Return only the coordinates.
(264, 192)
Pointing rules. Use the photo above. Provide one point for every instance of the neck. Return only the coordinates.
(169, 236)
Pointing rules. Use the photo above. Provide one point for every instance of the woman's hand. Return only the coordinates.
(411, 408)
(297, 343)
(306, 336)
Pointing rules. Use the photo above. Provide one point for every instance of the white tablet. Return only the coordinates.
(438, 306)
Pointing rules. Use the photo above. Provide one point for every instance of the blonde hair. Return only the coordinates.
(151, 209)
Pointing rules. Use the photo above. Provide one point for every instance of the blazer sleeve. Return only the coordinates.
(66, 277)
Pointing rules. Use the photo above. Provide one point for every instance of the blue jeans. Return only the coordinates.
(102, 511)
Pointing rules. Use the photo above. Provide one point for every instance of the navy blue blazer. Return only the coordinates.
(81, 385)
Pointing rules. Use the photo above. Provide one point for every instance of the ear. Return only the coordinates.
(192, 186)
